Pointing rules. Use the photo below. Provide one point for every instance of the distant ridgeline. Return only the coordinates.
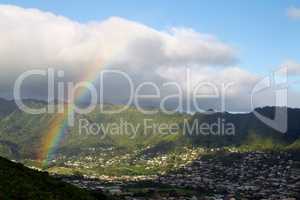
(247, 128)
(21, 133)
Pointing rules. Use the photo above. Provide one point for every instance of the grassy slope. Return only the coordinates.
(23, 132)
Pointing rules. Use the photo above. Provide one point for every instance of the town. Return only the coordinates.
(220, 175)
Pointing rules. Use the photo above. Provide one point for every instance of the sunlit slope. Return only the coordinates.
(21, 133)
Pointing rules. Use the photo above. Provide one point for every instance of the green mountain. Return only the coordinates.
(21, 134)
(19, 182)
(247, 128)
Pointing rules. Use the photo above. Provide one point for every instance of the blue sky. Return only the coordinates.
(260, 30)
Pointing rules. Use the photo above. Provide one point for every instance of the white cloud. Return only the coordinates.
(292, 66)
(40, 38)
(293, 13)
(232, 83)
(31, 38)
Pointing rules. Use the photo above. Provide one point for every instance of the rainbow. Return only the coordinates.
(52, 138)
(58, 126)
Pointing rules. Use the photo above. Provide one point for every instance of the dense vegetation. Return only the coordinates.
(21, 135)
(249, 130)
(19, 182)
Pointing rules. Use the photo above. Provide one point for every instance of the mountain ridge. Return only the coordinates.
(21, 133)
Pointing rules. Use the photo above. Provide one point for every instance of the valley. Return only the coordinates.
(155, 164)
